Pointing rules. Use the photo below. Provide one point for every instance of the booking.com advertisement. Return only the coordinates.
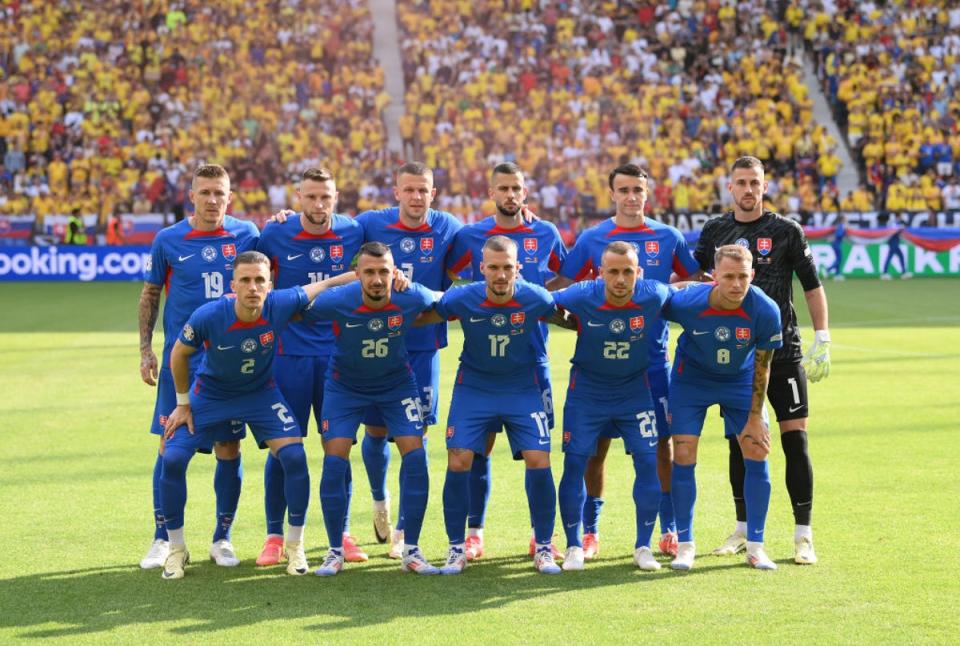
(68, 263)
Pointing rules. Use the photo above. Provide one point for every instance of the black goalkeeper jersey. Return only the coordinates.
(779, 250)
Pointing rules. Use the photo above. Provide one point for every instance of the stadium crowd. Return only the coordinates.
(105, 106)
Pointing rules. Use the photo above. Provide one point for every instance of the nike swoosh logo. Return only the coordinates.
(699, 332)
(592, 324)
(182, 258)
(294, 257)
(573, 524)
(225, 347)
(354, 324)
(649, 523)
(542, 442)
(473, 320)
(758, 531)
(654, 443)
(794, 409)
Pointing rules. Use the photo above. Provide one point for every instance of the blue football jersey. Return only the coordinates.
(613, 341)
(420, 254)
(195, 267)
(502, 343)
(661, 249)
(239, 354)
(720, 344)
(370, 354)
(298, 257)
(540, 249)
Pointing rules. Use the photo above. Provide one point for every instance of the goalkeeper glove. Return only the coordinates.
(816, 362)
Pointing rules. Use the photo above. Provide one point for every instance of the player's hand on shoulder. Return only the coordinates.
(400, 281)
(281, 216)
(527, 215)
(148, 367)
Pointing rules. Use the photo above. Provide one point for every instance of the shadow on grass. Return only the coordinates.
(210, 599)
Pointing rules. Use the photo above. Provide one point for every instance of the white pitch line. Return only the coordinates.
(894, 353)
(883, 322)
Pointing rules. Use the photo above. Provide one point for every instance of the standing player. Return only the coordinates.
(609, 393)
(837, 245)
(502, 343)
(542, 253)
(235, 381)
(723, 357)
(193, 261)
(780, 251)
(370, 368)
(419, 238)
(313, 246)
(662, 251)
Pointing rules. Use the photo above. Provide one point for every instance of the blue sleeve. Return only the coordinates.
(576, 264)
(545, 305)
(288, 302)
(684, 263)
(194, 331)
(156, 272)
(447, 306)
(324, 306)
(769, 331)
(564, 297)
(427, 297)
(558, 251)
(672, 303)
(458, 257)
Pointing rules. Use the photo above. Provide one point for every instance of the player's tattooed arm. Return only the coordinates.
(148, 310)
(563, 318)
(755, 438)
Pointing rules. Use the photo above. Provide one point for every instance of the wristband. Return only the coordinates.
(183, 399)
(822, 336)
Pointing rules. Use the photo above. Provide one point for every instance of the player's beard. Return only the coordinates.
(500, 289)
(376, 296)
(506, 212)
(318, 221)
(742, 203)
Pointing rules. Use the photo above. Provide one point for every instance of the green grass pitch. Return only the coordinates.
(75, 508)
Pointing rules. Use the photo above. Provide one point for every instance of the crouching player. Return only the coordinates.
(496, 384)
(235, 382)
(723, 357)
(609, 391)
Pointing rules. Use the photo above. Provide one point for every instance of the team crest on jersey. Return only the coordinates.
(566, 437)
(743, 242)
(407, 245)
(426, 246)
(394, 322)
(498, 320)
(266, 338)
(248, 345)
(375, 325)
(652, 247)
(229, 251)
(764, 246)
(336, 252)
(722, 333)
(317, 254)
(188, 332)
(148, 265)
(636, 323)
(450, 432)
(208, 253)
(617, 326)
(530, 245)
(324, 426)
(163, 420)
(743, 334)
(517, 319)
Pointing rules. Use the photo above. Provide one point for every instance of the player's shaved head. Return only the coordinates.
(620, 248)
(747, 161)
(415, 168)
(500, 243)
(210, 171)
(734, 252)
(506, 168)
(318, 174)
(375, 250)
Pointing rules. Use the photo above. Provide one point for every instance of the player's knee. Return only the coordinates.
(175, 461)
(293, 457)
(227, 450)
(376, 431)
(755, 452)
(459, 460)
(536, 459)
(684, 452)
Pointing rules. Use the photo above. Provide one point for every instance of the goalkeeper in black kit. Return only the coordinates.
(779, 249)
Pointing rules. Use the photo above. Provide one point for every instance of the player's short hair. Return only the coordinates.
(734, 251)
(500, 243)
(506, 168)
(620, 248)
(415, 168)
(374, 249)
(626, 169)
(251, 258)
(318, 174)
(747, 161)
(210, 171)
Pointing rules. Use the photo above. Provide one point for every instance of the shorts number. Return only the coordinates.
(283, 414)
(543, 425)
(666, 409)
(427, 401)
(411, 407)
(374, 348)
(212, 284)
(648, 424)
(616, 350)
(407, 269)
(317, 276)
(796, 391)
(723, 356)
(547, 397)
(498, 345)
(247, 366)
